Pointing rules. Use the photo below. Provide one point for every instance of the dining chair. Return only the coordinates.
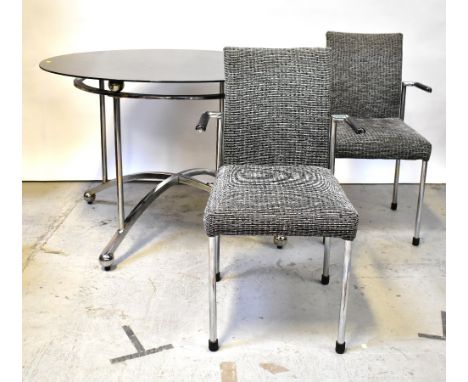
(367, 86)
(276, 176)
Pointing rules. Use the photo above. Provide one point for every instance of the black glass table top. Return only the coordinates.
(140, 65)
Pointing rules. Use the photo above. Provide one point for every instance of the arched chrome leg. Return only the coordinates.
(422, 186)
(326, 262)
(280, 241)
(340, 343)
(213, 255)
(90, 194)
(395, 185)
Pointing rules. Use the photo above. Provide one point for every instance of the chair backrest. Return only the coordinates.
(366, 75)
(277, 106)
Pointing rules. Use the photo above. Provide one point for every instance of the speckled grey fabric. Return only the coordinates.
(385, 138)
(275, 177)
(366, 76)
(289, 200)
(277, 106)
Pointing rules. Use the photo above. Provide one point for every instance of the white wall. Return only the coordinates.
(61, 123)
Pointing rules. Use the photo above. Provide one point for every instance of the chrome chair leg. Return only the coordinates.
(279, 241)
(213, 256)
(326, 261)
(340, 343)
(218, 273)
(395, 185)
(422, 187)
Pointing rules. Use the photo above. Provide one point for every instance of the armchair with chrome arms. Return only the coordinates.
(367, 85)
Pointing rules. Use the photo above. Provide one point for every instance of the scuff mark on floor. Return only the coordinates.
(228, 371)
(42, 240)
(54, 251)
(273, 368)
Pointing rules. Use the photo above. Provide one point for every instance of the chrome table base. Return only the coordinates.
(90, 195)
(165, 180)
(106, 258)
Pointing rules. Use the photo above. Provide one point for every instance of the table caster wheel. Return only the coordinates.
(90, 198)
(106, 260)
(279, 241)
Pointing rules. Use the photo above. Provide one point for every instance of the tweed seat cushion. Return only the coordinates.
(385, 138)
(288, 200)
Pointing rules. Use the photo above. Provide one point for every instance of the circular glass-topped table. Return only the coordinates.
(141, 65)
(148, 65)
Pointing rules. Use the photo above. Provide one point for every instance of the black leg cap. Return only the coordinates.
(323, 240)
(340, 348)
(394, 206)
(415, 240)
(218, 277)
(279, 246)
(325, 279)
(107, 269)
(213, 346)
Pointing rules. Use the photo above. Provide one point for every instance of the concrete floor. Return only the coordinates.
(275, 320)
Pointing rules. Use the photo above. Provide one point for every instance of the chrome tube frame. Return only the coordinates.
(395, 185)
(422, 187)
(141, 176)
(218, 273)
(219, 163)
(219, 131)
(340, 343)
(102, 114)
(326, 261)
(396, 178)
(335, 118)
(331, 165)
(422, 183)
(118, 163)
(332, 145)
(212, 256)
(403, 99)
(80, 84)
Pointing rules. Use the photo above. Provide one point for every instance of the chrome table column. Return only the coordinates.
(102, 113)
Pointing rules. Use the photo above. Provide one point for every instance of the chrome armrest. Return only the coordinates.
(354, 125)
(404, 85)
(350, 121)
(418, 85)
(205, 118)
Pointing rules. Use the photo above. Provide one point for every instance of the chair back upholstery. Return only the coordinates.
(366, 75)
(277, 106)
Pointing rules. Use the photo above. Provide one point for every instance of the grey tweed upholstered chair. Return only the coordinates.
(367, 86)
(277, 152)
